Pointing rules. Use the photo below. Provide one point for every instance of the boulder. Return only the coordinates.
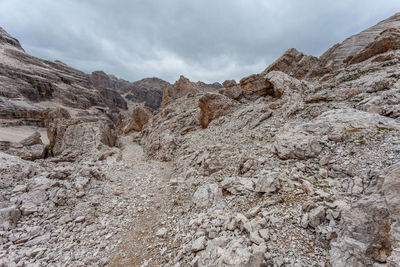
(33, 139)
(257, 85)
(238, 185)
(207, 196)
(364, 236)
(267, 184)
(9, 216)
(74, 138)
(140, 116)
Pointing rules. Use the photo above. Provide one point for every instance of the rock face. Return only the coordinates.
(71, 139)
(30, 86)
(364, 238)
(355, 48)
(213, 106)
(140, 116)
(148, 90)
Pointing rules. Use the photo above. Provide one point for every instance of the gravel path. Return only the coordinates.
(144, 185)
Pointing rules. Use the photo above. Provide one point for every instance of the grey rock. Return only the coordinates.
(161, 232)
(316, 216)
(267, 184)
(199, 244)
(209, 195)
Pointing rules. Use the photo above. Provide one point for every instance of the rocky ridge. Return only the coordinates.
(148, 90)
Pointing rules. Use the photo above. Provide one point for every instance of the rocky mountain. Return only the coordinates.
(295, 166)
(148, 90)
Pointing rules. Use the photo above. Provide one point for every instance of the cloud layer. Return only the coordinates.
(204, 40)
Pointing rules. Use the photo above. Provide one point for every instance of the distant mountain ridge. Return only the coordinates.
(148, 90)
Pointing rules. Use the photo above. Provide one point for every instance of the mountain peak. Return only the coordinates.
(7, 39)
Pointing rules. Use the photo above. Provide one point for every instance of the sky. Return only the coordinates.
(206, 40)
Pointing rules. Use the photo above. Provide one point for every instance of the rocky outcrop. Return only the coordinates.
(30, 87)
(73, 139)
(29, 152)
(5, 38)
(370, 227)
(304, 140)
(376, 40)
(256, 85)
(113, 99)
(213, 106)
(30, 148)
(391, 192)
(364, 238)
(342, 53)
(185, 88)
(140, 116)
(166, 96)
(296, 64)
(387, 40)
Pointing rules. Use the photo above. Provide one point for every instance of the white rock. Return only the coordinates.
(199, 244)
(28, 208)
(161, 232)
(79, 219)
(20, 188)
(316, 216)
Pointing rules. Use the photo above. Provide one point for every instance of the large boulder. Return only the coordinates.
(140, 116)
(257, 85)
(364, 236)
(208, 196)
(74, 138)
(30, 148)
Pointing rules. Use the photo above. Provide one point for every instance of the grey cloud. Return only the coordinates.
(205, 40)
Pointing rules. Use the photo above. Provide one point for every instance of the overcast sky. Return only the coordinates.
(208, 40)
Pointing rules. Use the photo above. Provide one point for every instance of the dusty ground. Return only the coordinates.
(146, 190)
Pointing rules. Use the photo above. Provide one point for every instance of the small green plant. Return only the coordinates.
(396, 76)
(5, 187)
(358, 75)
(390, 63)
(282, 200)
(352, 153)
(383, 128)
(137, 140)
(73, 123)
